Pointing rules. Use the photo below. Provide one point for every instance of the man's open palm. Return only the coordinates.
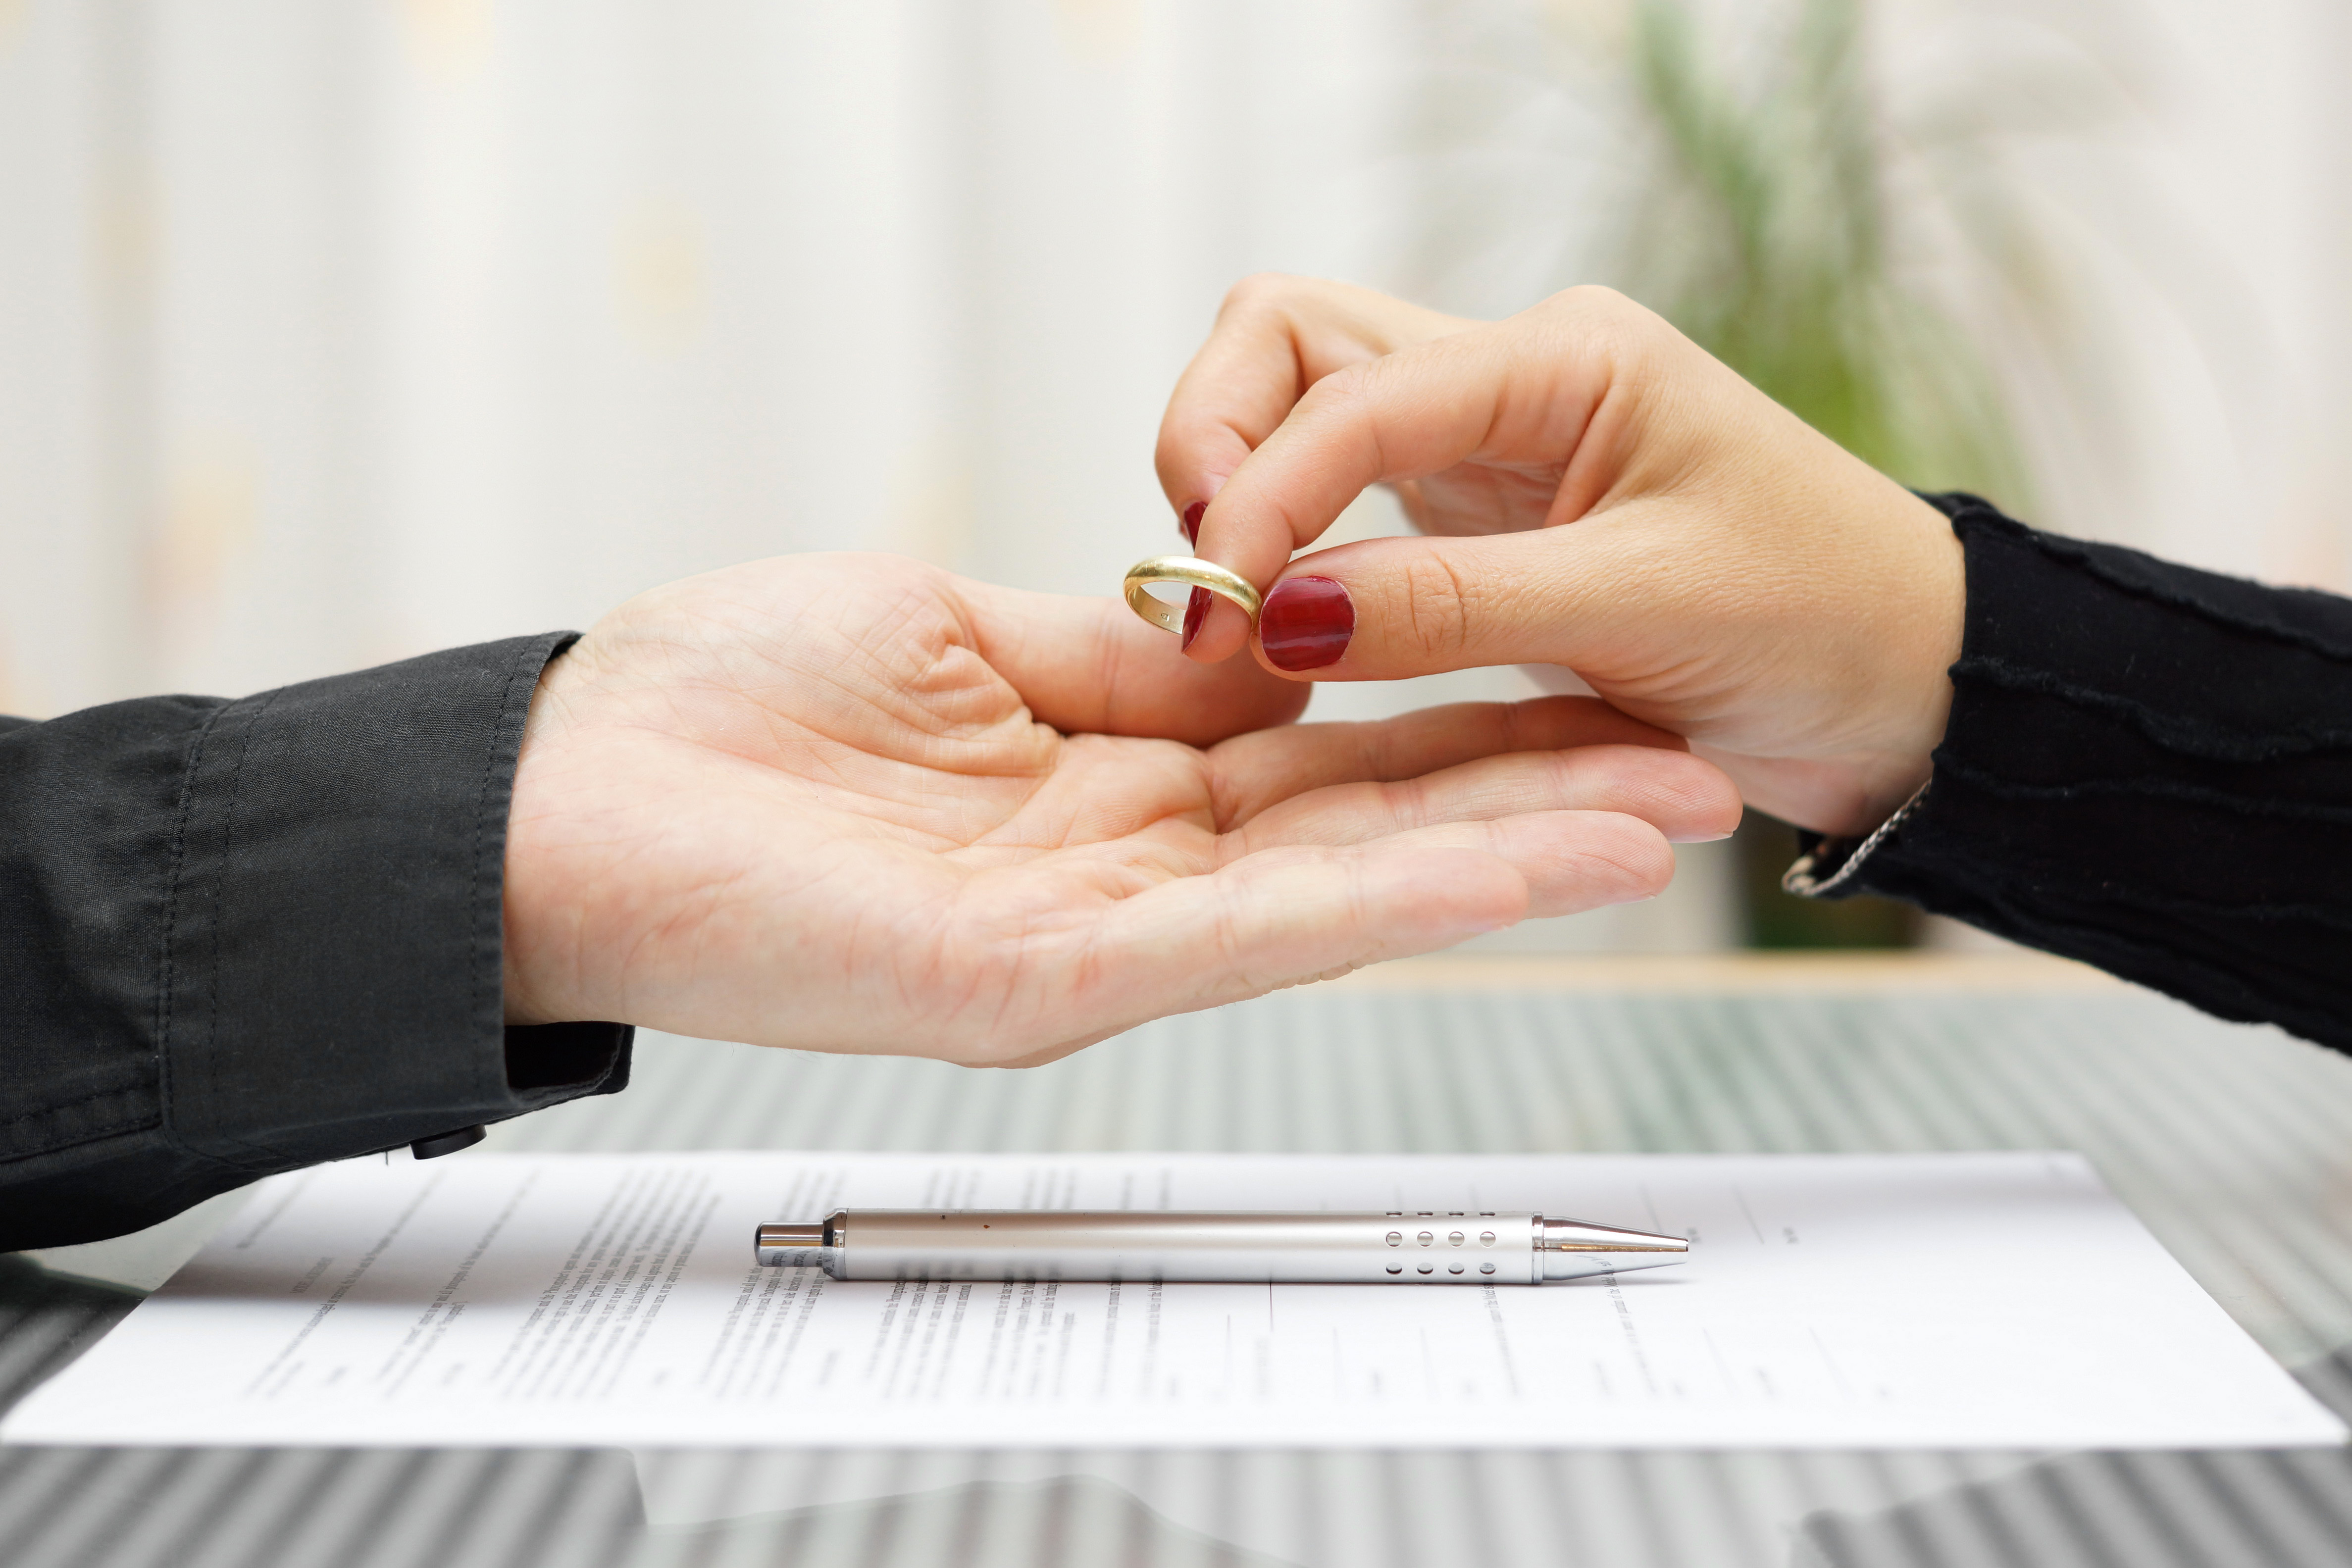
(855, 803)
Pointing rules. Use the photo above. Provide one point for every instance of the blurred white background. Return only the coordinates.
(333, 332)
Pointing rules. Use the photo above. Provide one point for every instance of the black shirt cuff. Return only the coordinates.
(263, 934)
(2147, 768)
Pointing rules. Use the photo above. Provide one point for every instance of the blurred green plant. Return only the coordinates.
(1764, 232)
(1860, 231)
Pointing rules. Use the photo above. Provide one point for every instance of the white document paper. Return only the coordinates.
(1914, 1301)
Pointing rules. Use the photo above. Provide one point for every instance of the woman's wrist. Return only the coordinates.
(1922, 601)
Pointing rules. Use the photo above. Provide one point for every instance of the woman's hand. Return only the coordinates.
(1617, 503)
(853, 803)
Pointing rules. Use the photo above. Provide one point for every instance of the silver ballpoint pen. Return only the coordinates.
(1430, 1247)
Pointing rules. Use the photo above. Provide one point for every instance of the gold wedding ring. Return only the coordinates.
(1193, 573)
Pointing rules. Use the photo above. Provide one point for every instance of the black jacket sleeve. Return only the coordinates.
(237, 938)
(2147, 768)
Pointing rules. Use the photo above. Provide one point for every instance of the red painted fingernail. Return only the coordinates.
(1191, 524)
(1305, 623)
(1196, 611)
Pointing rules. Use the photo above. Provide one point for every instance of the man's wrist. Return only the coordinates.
(530, 910)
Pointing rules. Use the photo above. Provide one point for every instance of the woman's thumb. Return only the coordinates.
(1383, 609)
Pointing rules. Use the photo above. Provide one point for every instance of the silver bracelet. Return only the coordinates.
(1799, 878)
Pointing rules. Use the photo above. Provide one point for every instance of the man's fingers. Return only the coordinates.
(1284, 916)
(1277, 919)
(1272, 920)
(1570, 861)
(1680, 797)
(1090, 666)
(1255, 770)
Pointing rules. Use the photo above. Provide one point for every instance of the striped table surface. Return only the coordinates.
(2234, 1145)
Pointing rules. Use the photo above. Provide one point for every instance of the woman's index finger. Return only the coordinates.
(1275, 337)
(1405, 416)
